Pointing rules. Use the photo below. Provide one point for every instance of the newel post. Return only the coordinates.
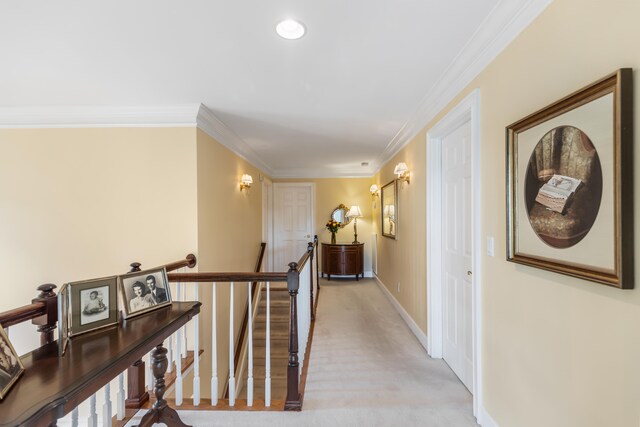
(292, 402)
(47, 323)
(310, 250)
(137, 395)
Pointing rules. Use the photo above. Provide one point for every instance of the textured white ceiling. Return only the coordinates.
(318, 106)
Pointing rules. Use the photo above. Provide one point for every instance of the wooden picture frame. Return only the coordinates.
(570, 184)
(90, 305)
(389, 209)
(136, 294)
(11, 366)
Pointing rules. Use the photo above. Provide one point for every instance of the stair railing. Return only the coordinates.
(241, 343)
(43, 312)
(302, 288)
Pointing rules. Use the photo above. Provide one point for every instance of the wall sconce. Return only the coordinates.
(402, 171)
(374, 191)
(355, 213)
(245, 182)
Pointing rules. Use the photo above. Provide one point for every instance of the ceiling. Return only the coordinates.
(363, 80)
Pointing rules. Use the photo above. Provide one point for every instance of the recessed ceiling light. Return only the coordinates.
(290, 29)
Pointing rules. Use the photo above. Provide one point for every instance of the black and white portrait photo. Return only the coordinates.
(95, 305)
(91, 304)
(144, 291)
(10, 364)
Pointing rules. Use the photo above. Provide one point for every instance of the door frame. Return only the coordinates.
(467, 110)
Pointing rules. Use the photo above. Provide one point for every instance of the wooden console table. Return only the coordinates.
(343, 259)
(53, 385)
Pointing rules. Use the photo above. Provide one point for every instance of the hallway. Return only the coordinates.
(366, 369)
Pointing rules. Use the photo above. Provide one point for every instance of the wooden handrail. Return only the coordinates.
(22, 314)
(189, 261)
(43, 312)
(242, 276)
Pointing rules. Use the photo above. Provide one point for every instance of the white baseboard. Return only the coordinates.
(421, 336)
(484, 419)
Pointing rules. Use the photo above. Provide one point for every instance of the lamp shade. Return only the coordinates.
(373, 189)
(247, 179)
(355, 212)
(400, 168)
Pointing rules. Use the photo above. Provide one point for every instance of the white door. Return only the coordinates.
(457, 253)
(293, 222)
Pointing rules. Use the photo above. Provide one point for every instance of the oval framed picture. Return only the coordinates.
(570, 184)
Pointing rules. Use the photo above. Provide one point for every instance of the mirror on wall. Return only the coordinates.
(389, 199)
(339, 214)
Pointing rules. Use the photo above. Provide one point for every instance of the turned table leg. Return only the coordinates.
(160, 412)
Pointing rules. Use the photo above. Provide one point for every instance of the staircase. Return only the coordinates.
(279, 344)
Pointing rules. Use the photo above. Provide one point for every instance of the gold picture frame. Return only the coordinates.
(570, 184)
(11, 366)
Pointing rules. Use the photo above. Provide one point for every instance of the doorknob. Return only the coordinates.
(308, 236)
(469, 273)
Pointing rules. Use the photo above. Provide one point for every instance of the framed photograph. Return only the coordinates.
(10, 364)
(570, 184)
(91, 305)
(389, 197)
(143, 291)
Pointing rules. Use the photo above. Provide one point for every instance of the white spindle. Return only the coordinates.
(184, 327)
(232, 378)
(178, 388)
(74, 417)
(120, 397)
(106, 407)
(148, 372)
(267, 362)
(196, 352)
(214, 350)
(92, 421)
(170, 353)
(250, 356)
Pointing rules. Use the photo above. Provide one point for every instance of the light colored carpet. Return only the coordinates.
(366, 369)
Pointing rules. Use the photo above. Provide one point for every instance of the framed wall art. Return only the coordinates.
(144, 291)
(389, 197)
(89, 305)
(570, 184)
(11, 366)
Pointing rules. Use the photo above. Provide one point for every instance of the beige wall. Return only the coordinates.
(403, 260)
(84, 203)
(330, 193)
(229, 236)
(557, 351)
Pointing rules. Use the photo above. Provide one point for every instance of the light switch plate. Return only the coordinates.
(490, 248)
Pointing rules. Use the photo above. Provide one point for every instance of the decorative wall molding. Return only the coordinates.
(215, 128)
(421, 336)
(99, 116)
(502, 25)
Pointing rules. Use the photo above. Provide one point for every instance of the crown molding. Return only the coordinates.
(98, 116)
(322, 173)
(216, 129)
(500, 27)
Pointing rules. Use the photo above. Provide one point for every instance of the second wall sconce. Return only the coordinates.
(402, 171)
(374, 191)
(245, 182)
